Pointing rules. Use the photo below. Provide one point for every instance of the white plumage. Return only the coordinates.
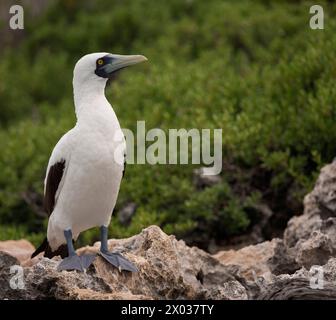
(86, 167)
(93, 169)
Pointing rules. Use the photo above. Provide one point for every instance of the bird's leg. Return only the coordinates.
(114, 258)
(73, 261)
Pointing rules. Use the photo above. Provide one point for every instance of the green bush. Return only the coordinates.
(253, 68)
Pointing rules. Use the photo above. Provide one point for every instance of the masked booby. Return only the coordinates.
(83, 174)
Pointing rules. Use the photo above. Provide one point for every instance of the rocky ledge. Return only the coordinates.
(302, 265)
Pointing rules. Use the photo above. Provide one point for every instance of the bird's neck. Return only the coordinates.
(89, 99)
(92, 108)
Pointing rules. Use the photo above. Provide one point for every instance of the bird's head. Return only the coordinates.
(101, 66)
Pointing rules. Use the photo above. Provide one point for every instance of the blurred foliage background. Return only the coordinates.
(253, 68)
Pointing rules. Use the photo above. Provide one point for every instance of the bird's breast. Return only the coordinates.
(98, 150)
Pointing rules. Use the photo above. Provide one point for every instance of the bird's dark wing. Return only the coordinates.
(124, 165)
(54, 177)
(53, 180)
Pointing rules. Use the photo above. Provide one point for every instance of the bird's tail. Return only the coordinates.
(45, 247)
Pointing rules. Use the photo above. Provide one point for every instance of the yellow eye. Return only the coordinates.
(100, 61)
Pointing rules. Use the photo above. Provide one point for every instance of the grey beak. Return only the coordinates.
(115, 62)
(120, 61)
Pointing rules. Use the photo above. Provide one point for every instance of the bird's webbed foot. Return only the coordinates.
(114, 258)
(75, 262)
(118, 261)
